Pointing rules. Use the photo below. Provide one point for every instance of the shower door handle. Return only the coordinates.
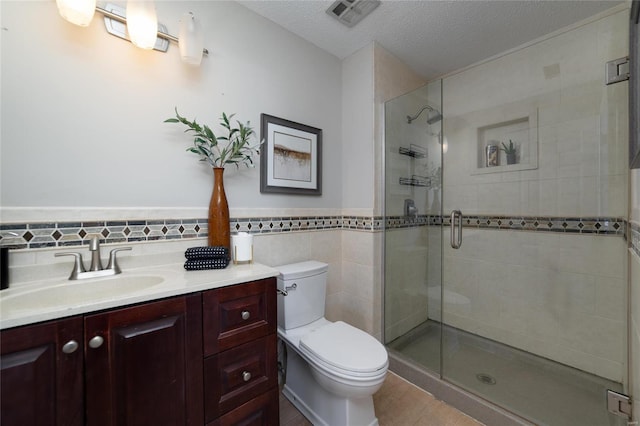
(456, 222)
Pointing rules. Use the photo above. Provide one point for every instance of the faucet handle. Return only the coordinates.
(113, 262)
(78, 266)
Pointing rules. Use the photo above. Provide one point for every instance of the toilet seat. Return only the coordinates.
(345, 350)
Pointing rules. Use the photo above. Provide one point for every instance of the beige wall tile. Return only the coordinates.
(634, 364)
(539, 291)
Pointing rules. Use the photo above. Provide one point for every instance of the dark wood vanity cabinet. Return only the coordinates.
(138, 365)
(148, 364)
(40, 384)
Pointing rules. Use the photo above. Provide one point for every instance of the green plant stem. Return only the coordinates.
(238, 149)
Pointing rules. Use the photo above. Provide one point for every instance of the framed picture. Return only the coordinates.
(290, 157)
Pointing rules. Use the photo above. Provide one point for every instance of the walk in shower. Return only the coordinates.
(506, 278)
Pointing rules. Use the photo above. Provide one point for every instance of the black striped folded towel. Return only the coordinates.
(203, 264)
(208, 252)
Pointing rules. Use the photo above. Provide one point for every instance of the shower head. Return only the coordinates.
(435, 118)
(430, 120)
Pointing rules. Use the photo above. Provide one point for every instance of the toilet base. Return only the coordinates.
(319, 406)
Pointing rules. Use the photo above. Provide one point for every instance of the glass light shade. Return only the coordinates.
(142, 23)
(79, 12)
(191, 40)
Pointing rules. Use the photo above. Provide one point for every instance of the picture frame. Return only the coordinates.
(290, 157)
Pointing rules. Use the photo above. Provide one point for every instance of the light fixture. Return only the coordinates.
(141, 14)
(191, 39)
(142, 23)
(115, 22)
(79, 12)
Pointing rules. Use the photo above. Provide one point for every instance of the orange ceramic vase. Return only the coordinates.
(219, 229)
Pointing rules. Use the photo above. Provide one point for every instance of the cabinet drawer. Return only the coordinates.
(235, 376)
(262, 411)
(238, 314)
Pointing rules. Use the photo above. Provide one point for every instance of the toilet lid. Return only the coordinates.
(345, 347)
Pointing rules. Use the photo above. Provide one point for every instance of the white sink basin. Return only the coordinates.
(72, 293)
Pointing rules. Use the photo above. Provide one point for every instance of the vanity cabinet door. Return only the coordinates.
(41, 374)
(144, 364)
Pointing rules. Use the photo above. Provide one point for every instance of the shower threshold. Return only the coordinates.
(540, 390)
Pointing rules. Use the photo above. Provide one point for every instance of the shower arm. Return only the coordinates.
(410, 119)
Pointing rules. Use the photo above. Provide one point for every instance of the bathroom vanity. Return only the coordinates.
(198, 349)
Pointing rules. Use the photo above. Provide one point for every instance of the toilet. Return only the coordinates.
(331, 369)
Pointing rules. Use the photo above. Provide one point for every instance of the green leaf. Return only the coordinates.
(233, 148)
(209, 134)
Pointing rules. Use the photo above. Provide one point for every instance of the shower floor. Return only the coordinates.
(542, 391)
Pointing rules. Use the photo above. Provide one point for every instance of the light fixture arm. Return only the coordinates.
(161, 34)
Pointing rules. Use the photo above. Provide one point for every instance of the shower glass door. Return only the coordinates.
(534, 313)
(530, 312)
(413, 237)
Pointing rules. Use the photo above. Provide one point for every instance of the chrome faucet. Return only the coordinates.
(410, 208)
(94, 248)
(96, 269)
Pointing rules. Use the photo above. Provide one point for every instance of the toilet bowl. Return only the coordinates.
(332, 369)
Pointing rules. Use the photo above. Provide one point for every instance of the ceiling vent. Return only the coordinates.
(350, 12)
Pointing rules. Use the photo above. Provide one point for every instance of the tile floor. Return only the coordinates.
(397, 403)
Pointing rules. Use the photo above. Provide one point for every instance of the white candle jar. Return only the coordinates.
(242, 247)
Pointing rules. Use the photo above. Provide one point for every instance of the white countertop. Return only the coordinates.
(52, 299)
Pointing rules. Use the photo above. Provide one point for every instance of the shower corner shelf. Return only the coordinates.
(413, 151)
(416, 180)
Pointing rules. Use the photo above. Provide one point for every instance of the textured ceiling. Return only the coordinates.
(432, 37)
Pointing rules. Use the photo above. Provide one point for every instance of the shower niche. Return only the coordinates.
(517, 130)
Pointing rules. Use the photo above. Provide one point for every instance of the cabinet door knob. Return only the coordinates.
(246, 315)
(246, 376)
(96, 342)
(70, 347)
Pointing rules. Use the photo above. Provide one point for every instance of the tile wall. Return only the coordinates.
(406, 298)
(634, 292)
(559, 294)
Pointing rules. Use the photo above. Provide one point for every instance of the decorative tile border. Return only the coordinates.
(263, 225)
(572, 225)
(393, 222)
(62, 234)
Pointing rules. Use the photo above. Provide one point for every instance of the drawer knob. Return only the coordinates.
(246, 376)
(96, 342)
(70, 347)
(246, 315)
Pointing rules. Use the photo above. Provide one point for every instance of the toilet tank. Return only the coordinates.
(306, 286)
